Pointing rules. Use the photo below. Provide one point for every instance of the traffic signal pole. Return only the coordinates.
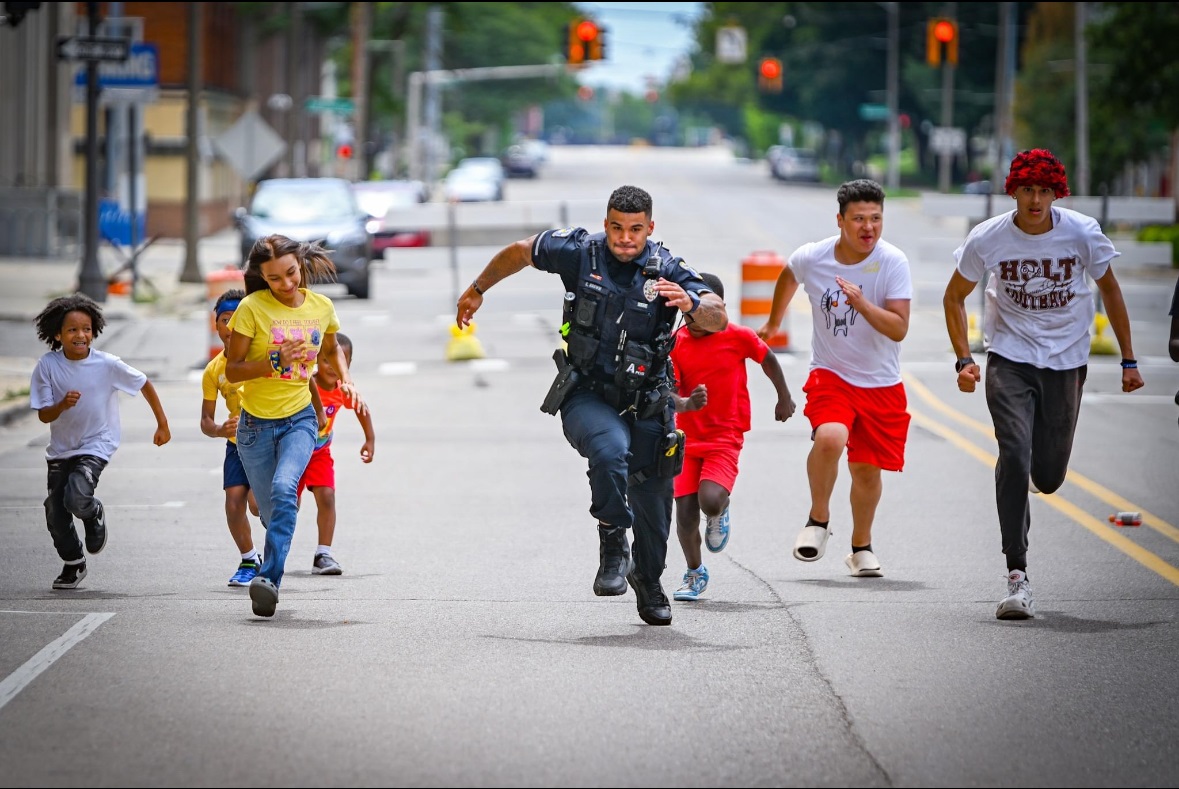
(949, 66)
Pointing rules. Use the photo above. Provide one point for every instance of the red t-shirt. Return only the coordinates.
(717, 361)
(333, 401)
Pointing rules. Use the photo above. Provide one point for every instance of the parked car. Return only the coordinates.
(321, 210)
(794, 164)
(388, 201)
(518, 161)
(475, 179)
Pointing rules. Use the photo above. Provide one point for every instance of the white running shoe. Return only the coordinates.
(1018, 604)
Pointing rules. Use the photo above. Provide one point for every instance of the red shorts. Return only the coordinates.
(320, 471)
(714, 462)
(877, 418)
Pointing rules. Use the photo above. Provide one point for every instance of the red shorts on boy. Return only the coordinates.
(711, 461)
(877, 419)
(320, 471)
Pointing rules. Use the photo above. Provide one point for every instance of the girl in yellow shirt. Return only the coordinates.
(279, 330)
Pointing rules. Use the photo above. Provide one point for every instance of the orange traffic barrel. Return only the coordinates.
(218, 282)
(759, 275)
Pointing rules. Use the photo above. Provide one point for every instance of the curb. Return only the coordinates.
(14, 409)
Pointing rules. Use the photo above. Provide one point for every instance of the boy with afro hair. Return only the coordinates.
(74, 390)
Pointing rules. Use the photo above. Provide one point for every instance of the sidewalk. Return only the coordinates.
(137, 329)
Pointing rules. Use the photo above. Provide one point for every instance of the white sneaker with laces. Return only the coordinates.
(1018, 604)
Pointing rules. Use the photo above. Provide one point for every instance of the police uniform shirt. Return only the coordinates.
(560, 251)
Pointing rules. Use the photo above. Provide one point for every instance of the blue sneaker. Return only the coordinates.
(716, 531)
(246, 572)
(695, 582)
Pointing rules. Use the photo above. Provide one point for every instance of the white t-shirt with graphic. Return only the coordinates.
(92, 426)
(1043, 304)
(843, 341)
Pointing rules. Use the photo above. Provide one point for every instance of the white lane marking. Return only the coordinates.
(397, 368)
(488, 365)
(15, 682)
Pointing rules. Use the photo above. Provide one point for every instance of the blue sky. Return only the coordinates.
(644, 40)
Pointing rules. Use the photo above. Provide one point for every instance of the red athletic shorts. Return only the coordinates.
(877, 418)
(714, 462)
(320, 471)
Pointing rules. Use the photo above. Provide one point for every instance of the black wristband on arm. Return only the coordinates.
(475, 285)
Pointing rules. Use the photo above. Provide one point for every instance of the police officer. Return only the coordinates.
(623, 297)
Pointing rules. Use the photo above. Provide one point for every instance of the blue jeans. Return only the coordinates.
(616, 447)
(275, 453)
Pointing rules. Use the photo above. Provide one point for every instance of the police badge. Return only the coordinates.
(649, 291)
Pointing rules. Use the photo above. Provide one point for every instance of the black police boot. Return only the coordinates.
(654, 608)
(614, 562)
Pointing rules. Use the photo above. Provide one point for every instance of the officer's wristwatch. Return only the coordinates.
(963, 363)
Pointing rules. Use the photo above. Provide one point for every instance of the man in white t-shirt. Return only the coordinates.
(860, 292)
(1042, 257)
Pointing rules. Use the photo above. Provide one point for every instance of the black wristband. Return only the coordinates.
(963, 363)
(475, 285)
(1129, 364)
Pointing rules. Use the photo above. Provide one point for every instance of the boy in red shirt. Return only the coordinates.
(320, 474)
(713, 410)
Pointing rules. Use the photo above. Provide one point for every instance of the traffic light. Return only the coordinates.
(585, 40)
(344, 151)
(941, 32)
(769, 75)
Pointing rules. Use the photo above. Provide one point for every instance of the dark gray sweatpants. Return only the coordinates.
(1035, 413)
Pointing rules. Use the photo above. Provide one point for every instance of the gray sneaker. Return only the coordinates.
(325, 564)
(1018, 604)
(263, 596)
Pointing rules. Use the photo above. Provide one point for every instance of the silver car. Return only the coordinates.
(322, 210)
(795, 164)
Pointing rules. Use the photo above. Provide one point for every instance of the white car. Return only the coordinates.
(475, 180)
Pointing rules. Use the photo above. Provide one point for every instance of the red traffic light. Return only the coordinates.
(770, 68)
(344, 151)
(943, 31)
(586, 30)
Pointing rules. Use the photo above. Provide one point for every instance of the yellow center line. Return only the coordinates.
(1095, 489)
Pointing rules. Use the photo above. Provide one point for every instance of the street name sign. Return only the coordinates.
(97, 49)
(329, 104)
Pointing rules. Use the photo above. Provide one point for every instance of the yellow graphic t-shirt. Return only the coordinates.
(214, 382)
(268, 323)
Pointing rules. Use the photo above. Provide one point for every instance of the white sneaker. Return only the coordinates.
(811, 543)
(1018, 604)
(863, 564)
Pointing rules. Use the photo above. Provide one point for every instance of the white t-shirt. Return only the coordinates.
(1044, 305)
(92, 426)
(843, 341)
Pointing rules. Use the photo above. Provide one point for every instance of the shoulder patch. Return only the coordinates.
(684, 265)
(563, 232)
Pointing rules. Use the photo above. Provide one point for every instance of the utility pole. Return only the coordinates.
(192, 181)
(894, 122)
(361, 22)
(90, 279)
(433, 98)
(1081, 60)
(946, 160)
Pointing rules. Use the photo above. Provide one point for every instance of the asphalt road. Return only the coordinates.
(463, 644)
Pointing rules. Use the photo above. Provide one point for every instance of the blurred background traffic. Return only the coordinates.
(123, 123)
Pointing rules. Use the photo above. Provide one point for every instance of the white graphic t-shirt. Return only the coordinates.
(1043, 305)
(843, 341)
